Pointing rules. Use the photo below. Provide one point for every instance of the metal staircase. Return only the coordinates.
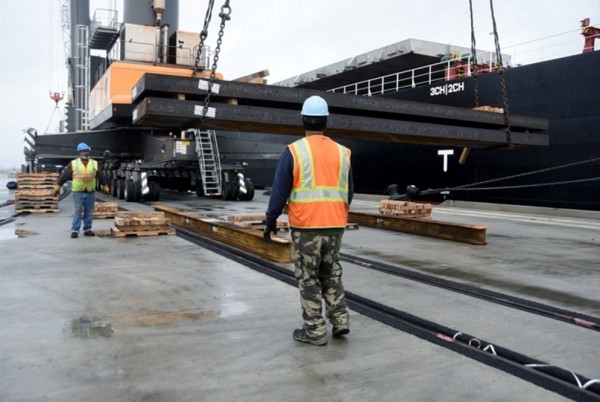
(210, 163)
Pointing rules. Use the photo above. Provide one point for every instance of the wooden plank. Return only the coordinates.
(256, 222)
(40, 192)
(37, 176)
(117, 232)
(133, 228)
(405, 208)
(472, 234)
(140, 218)
(36, 210)
(103, 215)
(106, 206)
(249, 240)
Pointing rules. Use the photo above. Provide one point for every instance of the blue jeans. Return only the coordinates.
(82, 201)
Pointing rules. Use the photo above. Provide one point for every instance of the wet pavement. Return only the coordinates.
(159, 319)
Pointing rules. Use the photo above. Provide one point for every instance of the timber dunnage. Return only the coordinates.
(35, 193)
(132, 224)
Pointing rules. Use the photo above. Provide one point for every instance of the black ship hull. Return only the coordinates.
(565, 91)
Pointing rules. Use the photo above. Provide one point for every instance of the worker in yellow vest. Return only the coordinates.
(85, 175)
(314, 177)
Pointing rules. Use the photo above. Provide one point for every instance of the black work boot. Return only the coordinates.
(341, 330)
(89, 233)
(74, 235)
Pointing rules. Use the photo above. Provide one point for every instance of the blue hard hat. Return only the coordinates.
(83, 147)
(315, 106)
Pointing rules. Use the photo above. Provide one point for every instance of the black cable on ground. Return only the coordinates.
(530, 306)
(561, 381)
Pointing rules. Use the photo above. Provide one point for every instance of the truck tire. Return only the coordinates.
(129, 191)
(249, 191)
(154, 191)
(114, 188)
(121, 188)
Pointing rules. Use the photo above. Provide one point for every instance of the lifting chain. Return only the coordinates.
(203, 36)
(474, 71)
(501, 74)
(225, 16)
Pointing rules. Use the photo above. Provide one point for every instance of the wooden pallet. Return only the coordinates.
(37, 209)
(405, 208)
(36, 180)
(255, 222)
(33, 177)
(35, 192)
(117, 232)
(37, 204)
(132, 224)
(127, 218)
(26, 194)
(104, 210)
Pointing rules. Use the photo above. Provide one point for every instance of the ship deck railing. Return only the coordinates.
(534, 51)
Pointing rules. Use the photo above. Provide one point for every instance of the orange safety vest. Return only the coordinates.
(319, 197)
(84, 177)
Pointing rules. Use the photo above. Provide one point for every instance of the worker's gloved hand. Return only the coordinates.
(56, 189)
(106, 189)
(270, 228)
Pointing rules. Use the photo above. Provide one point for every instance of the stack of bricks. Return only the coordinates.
(129, 224)
(105, 210)
(35, 192)
(405, 208)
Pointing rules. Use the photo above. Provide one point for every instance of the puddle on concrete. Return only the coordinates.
(91, 327)
(7, 233)
(167, 317)
(20, 233)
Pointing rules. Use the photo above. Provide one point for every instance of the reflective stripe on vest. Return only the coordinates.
(84, 177)
(319, 197)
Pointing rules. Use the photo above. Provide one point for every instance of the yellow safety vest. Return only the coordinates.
(84, 177)
(319, 197)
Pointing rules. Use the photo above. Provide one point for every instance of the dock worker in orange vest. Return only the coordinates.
(314, 177)
(85, 174)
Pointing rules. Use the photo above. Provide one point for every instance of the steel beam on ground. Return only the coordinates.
(472, 234)
(249, 240)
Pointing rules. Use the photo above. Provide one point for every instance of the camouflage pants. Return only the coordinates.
(319, 277)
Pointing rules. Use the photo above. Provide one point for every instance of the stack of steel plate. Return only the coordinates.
(167, 101)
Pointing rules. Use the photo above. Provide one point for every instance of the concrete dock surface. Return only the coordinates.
(160, 319)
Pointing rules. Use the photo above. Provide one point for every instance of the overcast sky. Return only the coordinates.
(286, 37)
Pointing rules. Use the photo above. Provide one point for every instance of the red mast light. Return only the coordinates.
(56, 96)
